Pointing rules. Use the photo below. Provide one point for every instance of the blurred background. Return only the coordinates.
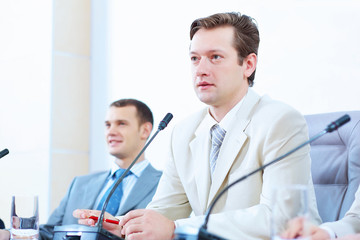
(62, 62)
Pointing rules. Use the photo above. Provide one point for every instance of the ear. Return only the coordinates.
(146, 129)
(249, 64)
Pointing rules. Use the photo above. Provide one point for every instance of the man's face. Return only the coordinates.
(217, 76)
(124, 136)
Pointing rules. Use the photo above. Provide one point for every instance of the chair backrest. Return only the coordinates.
(335, 163)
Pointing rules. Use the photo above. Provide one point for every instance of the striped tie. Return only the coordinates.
(217, 136)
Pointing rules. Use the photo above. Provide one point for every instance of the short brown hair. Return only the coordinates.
(144, 113)
(246, 40)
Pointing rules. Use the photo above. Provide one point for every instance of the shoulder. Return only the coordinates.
(269, 111)
(153, 171)
(274, 119)
(188, 125)
(87, 177)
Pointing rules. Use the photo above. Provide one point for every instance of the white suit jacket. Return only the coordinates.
(350, 223)
(263, 130)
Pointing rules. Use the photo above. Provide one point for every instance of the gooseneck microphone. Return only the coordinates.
(163, 124)
(4, 152)
(204, 234)
(338, 123)
(83, 232)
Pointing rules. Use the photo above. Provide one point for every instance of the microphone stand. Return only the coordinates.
(203, 234)
(82, 232)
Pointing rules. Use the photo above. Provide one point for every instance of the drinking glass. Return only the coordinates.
(289, 204)
(24, 217)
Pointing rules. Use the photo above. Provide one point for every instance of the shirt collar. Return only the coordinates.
(136, 170)
(226, 122)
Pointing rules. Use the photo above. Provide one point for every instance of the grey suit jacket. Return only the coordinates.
(84, 190)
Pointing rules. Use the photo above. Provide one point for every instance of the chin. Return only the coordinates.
(203, 98)
(207, 101)
(114, 153)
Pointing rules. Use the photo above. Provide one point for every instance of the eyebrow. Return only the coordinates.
(117, 120)
(210, 51)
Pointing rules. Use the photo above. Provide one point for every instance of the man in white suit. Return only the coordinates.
(347, 228)
(256, 130)
(128, 125)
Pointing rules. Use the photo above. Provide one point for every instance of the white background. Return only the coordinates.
(309, 57)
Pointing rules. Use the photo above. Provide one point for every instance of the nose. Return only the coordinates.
(202, 68)
(110, 130)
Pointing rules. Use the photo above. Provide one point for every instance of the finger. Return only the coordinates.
(81, 213)
(86, 221)
(133, 228)
(134, 221)
(130, 215)
(294, 229)
(136, 236)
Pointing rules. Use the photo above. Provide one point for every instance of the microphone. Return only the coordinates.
(338, 123)
(163, 124)
(98, 233)
(203, 234)
(4, 152)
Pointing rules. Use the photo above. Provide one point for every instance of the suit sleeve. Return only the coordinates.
(170, 198)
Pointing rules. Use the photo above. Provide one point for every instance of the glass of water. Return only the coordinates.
(24, 217)
(290, 204)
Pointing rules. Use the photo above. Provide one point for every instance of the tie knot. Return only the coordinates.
(120, 172)
(217, 134)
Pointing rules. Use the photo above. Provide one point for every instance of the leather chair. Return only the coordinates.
(335, 163)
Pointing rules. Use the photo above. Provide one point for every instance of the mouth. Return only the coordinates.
(203, 85)
(114, 142)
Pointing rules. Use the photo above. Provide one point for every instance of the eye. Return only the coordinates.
(216, 57)
(107, 125)
(194, 58)
(121, 123)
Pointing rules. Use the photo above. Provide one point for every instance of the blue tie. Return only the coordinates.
(114, 202)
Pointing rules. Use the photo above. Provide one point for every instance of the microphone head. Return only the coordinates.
(338, 123)
(163, 124)
(4, 152)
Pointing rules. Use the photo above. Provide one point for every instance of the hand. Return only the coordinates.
(146, 224)
(295, 229)
(83, 218)
(15, 222)
(4, 235)
(319, 234)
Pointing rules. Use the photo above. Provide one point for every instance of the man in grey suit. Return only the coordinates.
(128, 125)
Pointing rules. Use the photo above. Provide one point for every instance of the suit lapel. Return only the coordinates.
(199, 148)
(142, 187)
(95, 185)
(199, 160)
(233, 143)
